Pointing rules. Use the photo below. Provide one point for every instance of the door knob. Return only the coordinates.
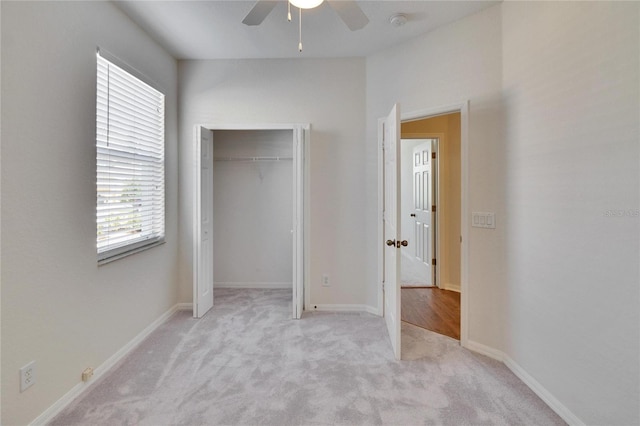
(413, 215)
(404, 243)
(391, 243)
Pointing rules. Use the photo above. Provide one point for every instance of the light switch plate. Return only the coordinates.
(483, 220)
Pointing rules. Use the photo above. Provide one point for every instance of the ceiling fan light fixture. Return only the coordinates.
(306, 4)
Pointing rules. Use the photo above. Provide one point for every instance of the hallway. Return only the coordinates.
(433, 309)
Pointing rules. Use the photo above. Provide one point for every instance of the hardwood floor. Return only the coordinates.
(432, 308)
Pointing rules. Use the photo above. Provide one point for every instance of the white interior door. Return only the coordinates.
(389, 131)
(422, 202)
(203, 223)
(298, 225)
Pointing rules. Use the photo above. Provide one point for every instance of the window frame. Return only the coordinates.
(157, 237)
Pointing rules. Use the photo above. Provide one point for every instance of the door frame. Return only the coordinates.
(301, 222)
(463, 108)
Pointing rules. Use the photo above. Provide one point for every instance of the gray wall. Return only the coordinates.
(553, 139)
(329, 94)
(58, 307)
(571, 146)
(468, 66)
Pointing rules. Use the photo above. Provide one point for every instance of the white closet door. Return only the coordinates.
(203, 224)
(298, 224)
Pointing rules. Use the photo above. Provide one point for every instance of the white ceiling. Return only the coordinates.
(214, 29)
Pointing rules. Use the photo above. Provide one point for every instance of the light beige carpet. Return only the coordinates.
(247, 363)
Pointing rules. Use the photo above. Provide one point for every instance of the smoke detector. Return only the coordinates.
(398, 20)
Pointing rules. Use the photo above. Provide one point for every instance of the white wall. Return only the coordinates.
(553, 134)
(457, 62)
(329, 94)
(0, 220)
(572, 96)
(253, 209)
(58, 307)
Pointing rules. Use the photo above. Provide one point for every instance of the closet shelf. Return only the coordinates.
(252, 159)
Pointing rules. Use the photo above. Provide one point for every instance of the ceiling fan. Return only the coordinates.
(348, 10)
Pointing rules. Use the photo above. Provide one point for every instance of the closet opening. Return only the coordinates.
(252, 209)
(249, 229)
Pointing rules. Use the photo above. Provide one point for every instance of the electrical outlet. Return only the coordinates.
(27, 376)
(325, 280)
(86, 374)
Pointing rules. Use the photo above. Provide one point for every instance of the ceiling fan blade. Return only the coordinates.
(260, 11)
(350, 13)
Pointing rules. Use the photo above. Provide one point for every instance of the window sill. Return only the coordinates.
(129, 252)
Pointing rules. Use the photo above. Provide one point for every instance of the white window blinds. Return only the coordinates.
(130, 162)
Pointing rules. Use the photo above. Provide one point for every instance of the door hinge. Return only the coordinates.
(433, 155)
(433, 262)
(433, 209)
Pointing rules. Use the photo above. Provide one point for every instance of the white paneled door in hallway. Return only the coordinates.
(423, 201)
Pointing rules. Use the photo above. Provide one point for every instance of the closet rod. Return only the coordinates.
(252, 159)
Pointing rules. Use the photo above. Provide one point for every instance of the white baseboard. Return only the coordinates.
(543, 393)
(342, 308)
(559, 408)
(485, 350)
(451, 287)
(184, 307)
(101, 370)
(253, 285)
(373, 310)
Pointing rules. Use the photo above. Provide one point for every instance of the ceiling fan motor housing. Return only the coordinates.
(398, 20)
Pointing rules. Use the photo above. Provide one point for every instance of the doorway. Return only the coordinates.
(249, 154)
(391, 235)
(431, 266)
(252, 209)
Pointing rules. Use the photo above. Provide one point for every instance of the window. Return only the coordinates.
(130, 162)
